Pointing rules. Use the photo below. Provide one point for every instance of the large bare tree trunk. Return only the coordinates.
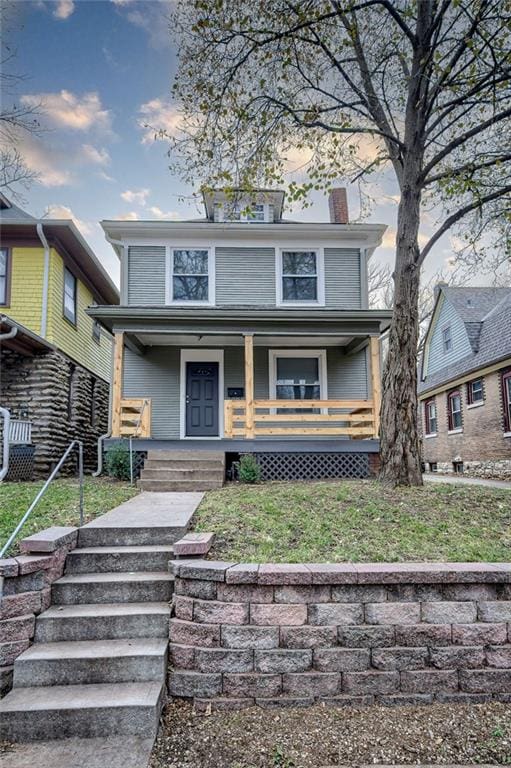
(400, 453)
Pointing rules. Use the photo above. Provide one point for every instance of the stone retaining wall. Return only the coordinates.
(292, 635)
(25, 591)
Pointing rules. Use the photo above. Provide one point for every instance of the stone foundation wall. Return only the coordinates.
(25, 591)
(500, 469)
(293, 635)
(62, 400)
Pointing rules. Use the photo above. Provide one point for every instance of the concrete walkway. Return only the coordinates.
(126, 752)
(463, 480)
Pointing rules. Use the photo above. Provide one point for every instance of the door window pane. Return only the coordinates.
(299, 276)
(190, 275)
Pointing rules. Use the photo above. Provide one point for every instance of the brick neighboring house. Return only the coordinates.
(465, 383)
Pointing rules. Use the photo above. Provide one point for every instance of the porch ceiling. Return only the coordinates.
(237, 340)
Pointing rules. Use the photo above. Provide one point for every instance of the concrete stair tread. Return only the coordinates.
(94, 649)
(97, 695)
(103, 610)
(122, 576)
(122, 550)
(187, 455)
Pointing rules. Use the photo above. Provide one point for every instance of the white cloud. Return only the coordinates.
(389, 238)
(64, 9)
(67, 110)
(49, 163)
(131, 216)
(105, 176)
(158, 115)
(159, 214)
(132, 196)
(63, 212)
(122, 2)
(94, 155)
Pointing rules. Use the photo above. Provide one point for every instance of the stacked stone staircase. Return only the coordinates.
(182, 470)
(98, 663)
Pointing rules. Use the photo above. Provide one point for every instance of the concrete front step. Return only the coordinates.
(183, 464)
(184, 455)
(101, 621)
(38, 713)
(179, 485)
(148, 557)
(113, 536)
(92, 661)
(144, 586)
(186, 473)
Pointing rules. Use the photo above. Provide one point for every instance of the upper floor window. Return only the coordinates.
(430, 417)
(69, 296)
(4, 276)
(475, 392)
(506, 399)
(447, 338)
(242, 211)
(96, 331)
(454, 410)
(191, 276)
(301, 278)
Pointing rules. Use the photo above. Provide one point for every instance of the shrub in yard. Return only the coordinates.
(249, 470)
(117, 462)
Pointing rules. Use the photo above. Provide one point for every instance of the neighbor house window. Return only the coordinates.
(300, 277)
(295, 376)
(69, 296)
(447, 338)
(4, 276)
(454, 410)
(430, 417)
(506, 399)
(475, 392)
(191, 280)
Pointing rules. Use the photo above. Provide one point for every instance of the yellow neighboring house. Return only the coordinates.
(55, 360)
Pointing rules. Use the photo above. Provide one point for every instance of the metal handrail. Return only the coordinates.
(139, 424)
(74, 444)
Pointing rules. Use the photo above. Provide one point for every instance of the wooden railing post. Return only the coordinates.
(228, 413)
(117, 384)
(376, 382)
(249, 386)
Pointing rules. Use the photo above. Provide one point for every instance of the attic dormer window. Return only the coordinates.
(255, 213)
(447, 338)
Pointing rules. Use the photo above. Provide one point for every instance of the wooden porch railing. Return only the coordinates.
(356, 421)
(134, 418)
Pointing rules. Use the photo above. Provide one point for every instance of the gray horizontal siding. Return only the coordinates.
(156, 375)
(146, 275)
(245, 276)
(342, 278)
(439, 359)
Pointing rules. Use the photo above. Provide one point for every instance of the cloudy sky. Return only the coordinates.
(103, 69)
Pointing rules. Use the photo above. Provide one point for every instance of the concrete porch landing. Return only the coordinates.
(125, 752)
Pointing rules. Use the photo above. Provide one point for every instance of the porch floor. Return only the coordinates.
(260, 445)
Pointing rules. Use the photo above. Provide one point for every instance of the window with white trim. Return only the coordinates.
(191, 281)
(69, 296)
(239, 211)
(298, 376)
(454, 410)
(447, 338)
(430, 417)
(475, 392)
(4, 273)
(299, 277)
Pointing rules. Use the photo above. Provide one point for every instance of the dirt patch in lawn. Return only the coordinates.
(320, 736)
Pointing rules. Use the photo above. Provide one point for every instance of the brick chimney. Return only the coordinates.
(338, 204)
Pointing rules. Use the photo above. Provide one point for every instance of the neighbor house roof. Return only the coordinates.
(17, 225)
(486, 314)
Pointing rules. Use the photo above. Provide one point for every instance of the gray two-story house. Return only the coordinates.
(244, 332)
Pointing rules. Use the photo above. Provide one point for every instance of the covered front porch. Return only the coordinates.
(310, 381)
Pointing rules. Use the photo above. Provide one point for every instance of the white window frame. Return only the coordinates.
(244, 218)
(321, 356)
(199, 355)
(444, 329)
(169, 276)
(320, 276)
(427, 419)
